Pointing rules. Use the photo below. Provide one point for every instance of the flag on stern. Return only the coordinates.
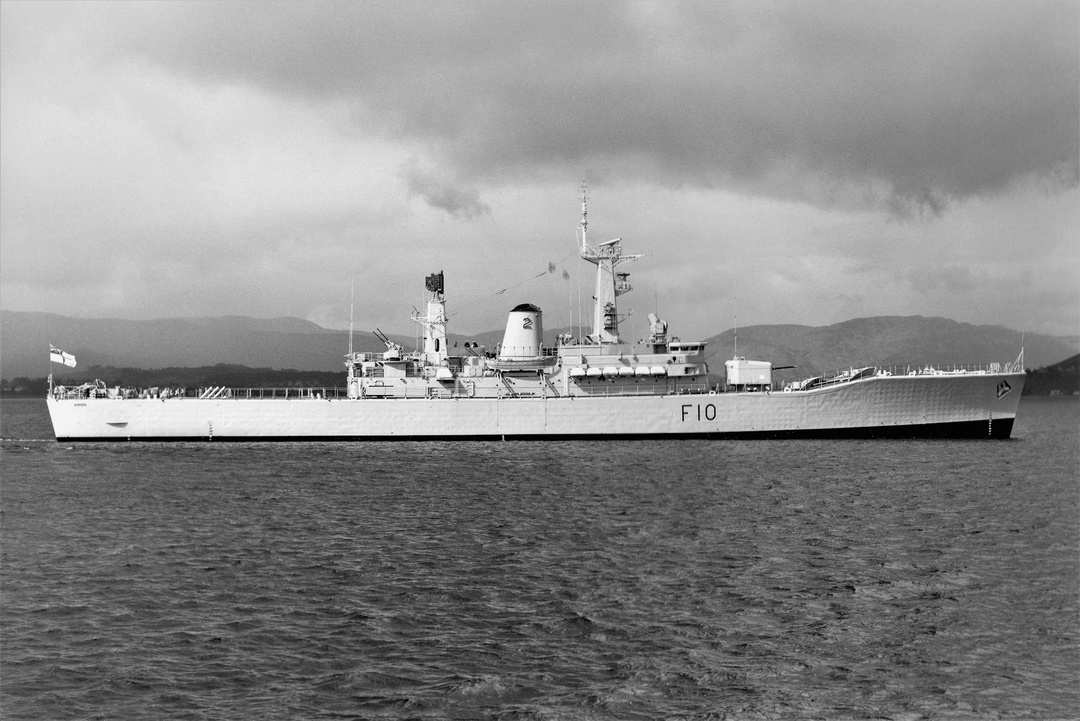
(58, 356)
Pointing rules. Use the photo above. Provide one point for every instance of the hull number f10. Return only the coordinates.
(698, 412)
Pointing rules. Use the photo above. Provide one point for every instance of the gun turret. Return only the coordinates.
(393, 350)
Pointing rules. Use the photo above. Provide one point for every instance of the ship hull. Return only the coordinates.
(923, 406)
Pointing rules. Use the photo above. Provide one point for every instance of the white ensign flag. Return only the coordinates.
(58, 356)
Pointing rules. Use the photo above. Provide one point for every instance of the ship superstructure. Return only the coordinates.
(600, 364)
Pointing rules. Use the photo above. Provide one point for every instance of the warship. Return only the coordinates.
(594, 387)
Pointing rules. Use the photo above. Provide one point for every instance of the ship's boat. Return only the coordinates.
(598, 387)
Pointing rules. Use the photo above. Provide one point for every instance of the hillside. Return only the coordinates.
(1059, 379)
(284, 343)
(185, 342)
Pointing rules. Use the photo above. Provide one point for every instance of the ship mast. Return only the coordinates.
(584, 218)
(352, 303)
(609, 283)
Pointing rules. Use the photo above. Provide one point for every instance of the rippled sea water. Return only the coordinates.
(625, 580)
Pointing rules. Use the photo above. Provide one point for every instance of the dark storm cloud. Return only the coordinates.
(933, 101)
(443, 194)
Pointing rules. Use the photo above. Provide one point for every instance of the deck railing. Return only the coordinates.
(925, 369)
(551, 391)
(209, 393)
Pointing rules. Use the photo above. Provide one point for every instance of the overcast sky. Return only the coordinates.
(815, 161)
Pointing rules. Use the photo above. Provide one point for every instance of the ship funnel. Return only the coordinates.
(524, 336)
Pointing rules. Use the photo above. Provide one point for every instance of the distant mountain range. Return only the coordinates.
(889, 341)
(293, 343)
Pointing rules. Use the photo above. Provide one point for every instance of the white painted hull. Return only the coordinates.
(976, 406)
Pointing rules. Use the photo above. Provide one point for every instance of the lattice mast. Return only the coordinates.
(610, 284)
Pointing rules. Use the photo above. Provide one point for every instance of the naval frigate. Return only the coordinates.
(597, 386)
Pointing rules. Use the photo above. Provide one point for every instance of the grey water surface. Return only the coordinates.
(586, 580)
